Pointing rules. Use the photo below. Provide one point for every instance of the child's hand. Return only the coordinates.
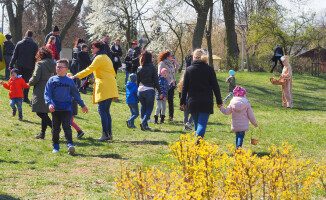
(256, 125)
(161, 96)
(51, 108)
(1, 83)
(85, 109)
(219, 105)
(164, 99)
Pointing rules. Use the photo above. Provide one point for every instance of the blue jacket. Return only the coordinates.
(131, 93)
(164, 86)
(60, 91)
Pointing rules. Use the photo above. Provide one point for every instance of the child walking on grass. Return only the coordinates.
(242, 113)
(15, 86)
(161, 102)
(231, 80)
(80, 133)
(59, 92)
(132, 100)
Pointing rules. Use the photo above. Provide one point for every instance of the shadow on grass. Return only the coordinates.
(27, 121)
(111, 155)
(261, 154)
(10, 162)
(82, 142)
(142, 142)
(7, 197)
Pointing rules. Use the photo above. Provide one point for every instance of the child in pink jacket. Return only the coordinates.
(241, 114)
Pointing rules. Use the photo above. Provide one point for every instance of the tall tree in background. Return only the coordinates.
(15, 17)
(231, 36)
(201, 7)
(209, 30)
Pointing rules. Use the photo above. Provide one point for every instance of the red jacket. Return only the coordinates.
(15, 87)
(53, 48)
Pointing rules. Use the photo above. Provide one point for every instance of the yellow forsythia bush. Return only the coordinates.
(205, 173)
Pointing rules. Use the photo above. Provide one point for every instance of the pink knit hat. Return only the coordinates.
(163, 70)
(239, 91)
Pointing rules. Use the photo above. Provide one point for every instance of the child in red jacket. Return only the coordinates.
(15, 86)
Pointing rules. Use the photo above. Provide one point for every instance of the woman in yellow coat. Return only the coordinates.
(105, 87)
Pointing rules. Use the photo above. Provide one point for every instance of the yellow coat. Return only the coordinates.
(105, 86)
(2, 63)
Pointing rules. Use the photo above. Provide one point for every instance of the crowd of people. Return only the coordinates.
(58, 93)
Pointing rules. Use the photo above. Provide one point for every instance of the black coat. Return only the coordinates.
(278, 50)
(8, 48)
(83, 60)
(118, 54)
(135, 59)
(24, 54)
(147, 76)
(108, 50)
(199, 83)
(128, 65)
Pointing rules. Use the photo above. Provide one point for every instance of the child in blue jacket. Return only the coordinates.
(132, 100)
(59, 92)
(161, 102)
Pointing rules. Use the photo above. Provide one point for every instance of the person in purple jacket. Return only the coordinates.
(161, 101)
(60, 90)
(132, 100)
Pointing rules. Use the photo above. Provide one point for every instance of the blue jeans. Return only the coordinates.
(18, 102)
(104, 111)
(146, 99)
(200, 123)
(127, 76)
(239, 138)
(134, 113)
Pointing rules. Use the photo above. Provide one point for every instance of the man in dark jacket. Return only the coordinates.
(8, 51)
(24, 54)
(116, 52)
(135, 56)
(55, 33)
(278, 53)
(188, 58)
(106, 41)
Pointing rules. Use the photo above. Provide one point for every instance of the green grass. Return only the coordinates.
(29, 170)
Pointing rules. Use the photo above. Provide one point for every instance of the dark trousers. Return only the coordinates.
(170, 102)
(58, 118)
(277, 58)
(26, 74)
(116, 67)
(7, 61)
(46, 121)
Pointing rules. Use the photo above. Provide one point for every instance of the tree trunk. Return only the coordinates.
(231, 36)
(15, 22)
(209, 37)
(71, 20)
(48, 5)
(202, 11)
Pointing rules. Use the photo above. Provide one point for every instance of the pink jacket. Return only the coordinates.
(241, 114)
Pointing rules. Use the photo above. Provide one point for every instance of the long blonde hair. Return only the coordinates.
(51, 38)
(180, 84)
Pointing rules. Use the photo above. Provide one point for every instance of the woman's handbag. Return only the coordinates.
(254, 141)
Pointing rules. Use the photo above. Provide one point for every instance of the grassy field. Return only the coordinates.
(29, 169)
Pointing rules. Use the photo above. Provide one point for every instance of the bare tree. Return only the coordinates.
(201, 7)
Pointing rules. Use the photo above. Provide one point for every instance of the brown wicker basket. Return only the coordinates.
(255, 141)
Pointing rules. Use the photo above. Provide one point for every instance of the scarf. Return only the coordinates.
(100, 52)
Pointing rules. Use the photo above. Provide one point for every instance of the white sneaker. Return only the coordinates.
(150, 121)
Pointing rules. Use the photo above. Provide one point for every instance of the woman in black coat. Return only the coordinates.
(199, 84)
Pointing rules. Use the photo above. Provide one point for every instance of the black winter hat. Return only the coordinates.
(14, 70)
(8, 37)
(55, 29)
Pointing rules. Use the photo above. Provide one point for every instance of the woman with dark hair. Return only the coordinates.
(44, 69)
(105, 86)
(165, 60)
(147, 80)
(75, 68)
(197, 91)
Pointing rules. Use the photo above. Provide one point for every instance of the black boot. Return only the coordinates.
(105, 136)
(156, 119)
(162, 119)
(40, 136)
